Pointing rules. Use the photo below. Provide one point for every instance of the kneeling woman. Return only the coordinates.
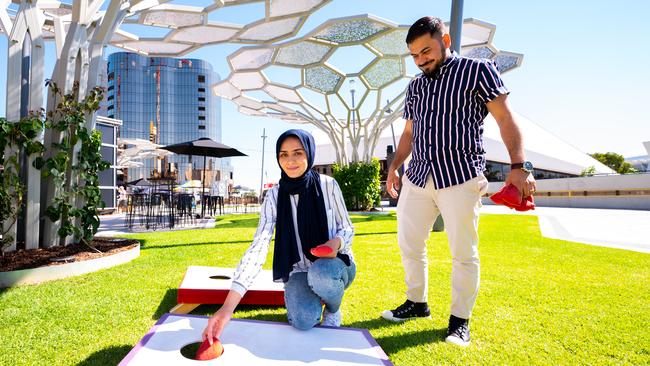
(309, 216)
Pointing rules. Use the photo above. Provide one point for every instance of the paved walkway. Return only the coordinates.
(111, 225)
(623, 229)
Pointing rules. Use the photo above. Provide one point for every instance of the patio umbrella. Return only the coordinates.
(203, 147)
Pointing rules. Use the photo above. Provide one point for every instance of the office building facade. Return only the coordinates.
(165, 100)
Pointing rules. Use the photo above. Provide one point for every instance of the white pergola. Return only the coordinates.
(81, 29)
(321, 97)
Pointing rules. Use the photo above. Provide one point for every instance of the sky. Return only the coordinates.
(584, 75)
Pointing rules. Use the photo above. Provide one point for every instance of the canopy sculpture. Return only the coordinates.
(191, 27)
(320, 98)
(81, 29)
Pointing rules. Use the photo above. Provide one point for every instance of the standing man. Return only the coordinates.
(444, 111)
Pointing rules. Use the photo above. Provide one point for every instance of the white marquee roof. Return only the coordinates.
(544, 149)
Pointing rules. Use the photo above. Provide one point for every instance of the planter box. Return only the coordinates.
(43, 274)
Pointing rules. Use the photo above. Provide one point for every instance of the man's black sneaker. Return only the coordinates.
(458, 331)
(406, 311)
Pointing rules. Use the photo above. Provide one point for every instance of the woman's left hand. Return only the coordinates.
(334, 244)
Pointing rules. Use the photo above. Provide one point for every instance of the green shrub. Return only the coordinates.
(359, 184)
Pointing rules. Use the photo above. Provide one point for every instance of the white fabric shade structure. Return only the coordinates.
(137, 150)
(545, 150)
(322, 97)
(81, 30)
(188, 28)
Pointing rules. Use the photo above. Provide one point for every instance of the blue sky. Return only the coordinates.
(584, 76)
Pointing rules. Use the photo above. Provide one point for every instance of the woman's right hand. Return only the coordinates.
(216, 324)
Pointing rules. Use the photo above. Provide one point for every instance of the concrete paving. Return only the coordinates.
(622, 229)
(112, 225)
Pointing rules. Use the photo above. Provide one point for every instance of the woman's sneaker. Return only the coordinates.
(406, 311)
(332, 319)
(458, 331)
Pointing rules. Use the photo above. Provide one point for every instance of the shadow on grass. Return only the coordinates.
(234, 222)
(395, 343)
(108, 356)
(266, 316)
(144, 247)
(372, 217)
(166, 304)
(376, 323)
(237, 223)
(376, 233)
(267, 313)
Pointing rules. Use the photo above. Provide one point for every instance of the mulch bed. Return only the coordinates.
(33, 258)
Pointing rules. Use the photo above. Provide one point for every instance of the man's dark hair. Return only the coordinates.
(432, 25)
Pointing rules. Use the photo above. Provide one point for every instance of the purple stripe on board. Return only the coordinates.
(143, 341)
(382, 355)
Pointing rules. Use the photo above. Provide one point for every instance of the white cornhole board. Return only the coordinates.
(198, 287)
(252, 342)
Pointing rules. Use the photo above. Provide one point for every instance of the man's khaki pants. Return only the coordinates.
(417, 210)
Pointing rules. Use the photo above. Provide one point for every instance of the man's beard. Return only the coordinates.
(434, 71)
(439, 62)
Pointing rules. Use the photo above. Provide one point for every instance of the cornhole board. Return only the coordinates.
(210, 285)
(252, 342)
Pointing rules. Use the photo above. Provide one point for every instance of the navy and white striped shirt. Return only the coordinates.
(447, 113)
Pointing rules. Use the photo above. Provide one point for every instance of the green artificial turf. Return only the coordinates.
(542, 301)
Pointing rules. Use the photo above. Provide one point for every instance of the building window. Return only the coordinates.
(111, 76)
(201, 90)
(110, 97)
(111, 116)
(201, 99)
(201, 127)
(111, 87)
(201, 118)
(201, 108)
(201, 78)
(110, 107)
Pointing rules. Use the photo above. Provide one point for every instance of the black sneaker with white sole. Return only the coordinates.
(406, 311)
(458, 331)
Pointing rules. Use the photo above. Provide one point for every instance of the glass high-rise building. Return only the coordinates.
(165, 100)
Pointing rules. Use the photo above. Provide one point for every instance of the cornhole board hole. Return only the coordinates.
(210, 285)
(252, 342)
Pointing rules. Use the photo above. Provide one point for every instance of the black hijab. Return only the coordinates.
(312, 219)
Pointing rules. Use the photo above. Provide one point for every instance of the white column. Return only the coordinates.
(29, 19)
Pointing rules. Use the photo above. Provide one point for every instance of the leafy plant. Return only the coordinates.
(615, 161)
(588, 172)
(16, 139)
(75, 177)
(360, 184)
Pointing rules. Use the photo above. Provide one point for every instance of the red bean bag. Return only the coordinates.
(209, 352)
(509, 196)
(321, 251)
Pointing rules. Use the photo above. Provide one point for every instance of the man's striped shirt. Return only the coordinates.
(447, 111)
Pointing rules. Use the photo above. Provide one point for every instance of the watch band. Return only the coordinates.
(526, 166)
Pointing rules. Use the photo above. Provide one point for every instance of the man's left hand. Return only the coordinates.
(525, 182)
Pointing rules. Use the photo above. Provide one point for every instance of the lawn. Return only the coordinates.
(542, 301)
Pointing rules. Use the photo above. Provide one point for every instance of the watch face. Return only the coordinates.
(528, 165)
